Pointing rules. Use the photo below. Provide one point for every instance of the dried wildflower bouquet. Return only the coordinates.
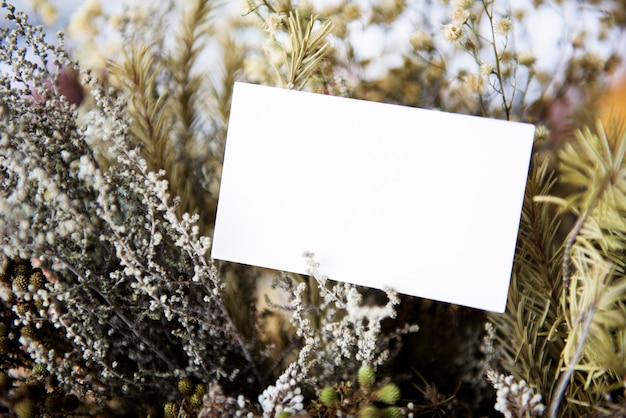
(109, 173)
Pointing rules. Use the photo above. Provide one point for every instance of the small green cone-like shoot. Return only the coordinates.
(366, 376)
(170, 410)
(186, 387)
(389, 394)
(392, 412)
(40, 370)
(284, 414)
(369, 411)
(196, 400)
(329, 396)
(200, 389)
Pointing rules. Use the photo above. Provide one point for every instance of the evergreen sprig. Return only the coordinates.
(529, 330)
(564, 328)
(594, 284)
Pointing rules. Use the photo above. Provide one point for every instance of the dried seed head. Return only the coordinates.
(504, 26)
(37, 280)
(20, 283)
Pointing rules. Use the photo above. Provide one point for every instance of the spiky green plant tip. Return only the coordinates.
(392, 412)
(196, 400)
(170, 410)
(389, 394)
(200, 389)
(366, 376)
(329, 396)
(40, 370)
(186, 387)
(369, 411)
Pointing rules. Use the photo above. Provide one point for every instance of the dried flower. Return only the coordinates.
(421, 41)
(526, 58)
(452, 32)
(515, 400)
(504, 26)
(475, 83)
(460, 16)
(82, 22)
(274, 22)
(464, 4)
(486, 69)
(285, 396)
(47, 11)
(352, 12)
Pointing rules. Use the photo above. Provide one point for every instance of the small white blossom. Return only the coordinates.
(452, 32)
(504, 26)
(515, 399)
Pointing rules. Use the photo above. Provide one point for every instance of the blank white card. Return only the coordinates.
(423, 201)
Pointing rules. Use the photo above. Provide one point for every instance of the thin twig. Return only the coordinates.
(564, 379)
(505, 102)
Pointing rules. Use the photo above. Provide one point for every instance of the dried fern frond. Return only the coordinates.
(188, 96)
(137, 76)
(167, 94)
(191, 40)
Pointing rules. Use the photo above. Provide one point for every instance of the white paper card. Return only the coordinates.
(423, 201)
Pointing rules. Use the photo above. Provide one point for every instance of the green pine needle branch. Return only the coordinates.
(565, 325)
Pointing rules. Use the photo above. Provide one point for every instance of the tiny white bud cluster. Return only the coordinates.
(515, 399)
(285, 396)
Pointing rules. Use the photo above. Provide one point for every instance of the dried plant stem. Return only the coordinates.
(567, 253)
(506, 104)
(585, 317)
(573, 234)
(134, 331)
(119, 314)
